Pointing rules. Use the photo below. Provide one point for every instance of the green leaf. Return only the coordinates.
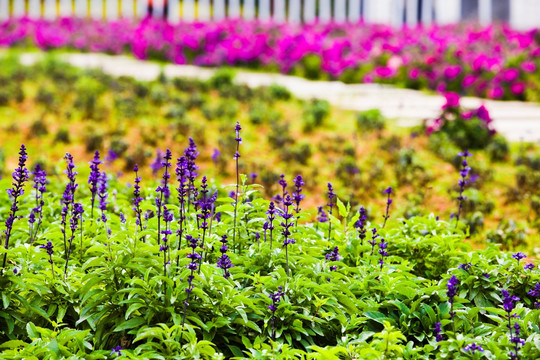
(342, 210)
(130, 324)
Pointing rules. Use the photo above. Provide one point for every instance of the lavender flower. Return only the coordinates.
(206, 205)
(373, 241)
(509, 303)
(528, 266)
(40, 181)
(518, 256)
(253, 177)
(360, 226)
(438, 332)
(167, 219)
(183, 193)
(297, 195)
(283, 183)
(76, 215)
(215, 156)
(224, 262)
(193, 265)
(382, 251)
(111, 156)
(286, 228)
(94, 178)
(49, 248)
(451, 293)
(137, 197)
(388, 191)
(276, 298)
(156, 164)
(20, 176)
(271, 216)
(103, 195)
(117, 350)
(238, 140)
(331, 196)
(473, 347)
(465, 266)
(535, 293)
(68, 196)
(464, 172)
(321, 215)
(333, 256)
(163, 189)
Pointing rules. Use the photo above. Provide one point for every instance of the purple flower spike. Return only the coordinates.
(519, 256)
(473, 347)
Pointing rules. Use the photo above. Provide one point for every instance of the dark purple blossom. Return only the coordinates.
(333, 256)
(253, 177)
(117, 351)
(451, 293)
(40, 182)
(528, 266)
(276, 298)
(49, 248)
(163, 190)
(473, 348)
(373, 241)
(388, 191)
(93, 178)
(383, 245)
(224, 262)
(286, 225)
(519, 256)
(111, 156)
(194, 257)
(137, 197)
(535, 293)
(297, 196)
(463, 173)
(438, 332)
(509, 304)
(156, 164)
(321, 215)
(465, 266)
(271, 212)
(215, 156)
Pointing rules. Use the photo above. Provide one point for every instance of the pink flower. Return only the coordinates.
(468, 80)
(452, 71)
(452, 100)
(528, 66)
(414, 73)
(495, 92)
(384, 72)
(510, 74)
(517, 88)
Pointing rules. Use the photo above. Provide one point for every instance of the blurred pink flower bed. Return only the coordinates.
(493, 62)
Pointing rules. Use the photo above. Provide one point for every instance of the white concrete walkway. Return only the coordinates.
(515, 120)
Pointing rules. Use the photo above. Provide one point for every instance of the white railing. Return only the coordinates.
(520, 13)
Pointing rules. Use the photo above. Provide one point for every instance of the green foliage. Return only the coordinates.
(370, 120)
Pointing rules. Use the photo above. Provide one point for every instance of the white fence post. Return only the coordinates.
(325, 11)
(111, 9)
(65, 8)
(447, 12)
(295, 12)
(234, 9)
(310, 11)
(188, 10)
(49, 9)
(412, 12)
(157, 9)
(398, 7)
(340, 11)
(96, 9)
(219, 10)
(279, 10)
(141, 8)
(127, 9)
(174, 12)
(427, 12)
(34, 9)
(4, 9)
(18, 8)
(264, 10)
(203, 10)
(354, 11)
(81, 8)
(485, 11)
(249, 10)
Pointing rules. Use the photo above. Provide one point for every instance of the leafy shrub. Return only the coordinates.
(509, 234)
(62, 136)
(315, 112)
(370, 120)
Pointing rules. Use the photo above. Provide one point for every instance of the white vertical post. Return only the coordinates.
(203, 10)
(188, 10)
(234, 9)
(427, 12)
(219, 10)
(174, 12)
(412, 12)
(354, 10)
(34, 9)
(81, 8)
(310, 11)
(142, 8)
(49, 9)
(111, 9)
(279, 10)
(127, 9)
(18, 8)
(485, 12)
(448, 12)
(65, 8)
(325, 11)
(96, 9)
(295, 12)
(157, 8)
(4, 9)
(249, 10)
(340, 11)
(397, 14)
(264, 10)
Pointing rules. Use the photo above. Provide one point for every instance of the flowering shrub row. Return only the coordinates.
(494, 62)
